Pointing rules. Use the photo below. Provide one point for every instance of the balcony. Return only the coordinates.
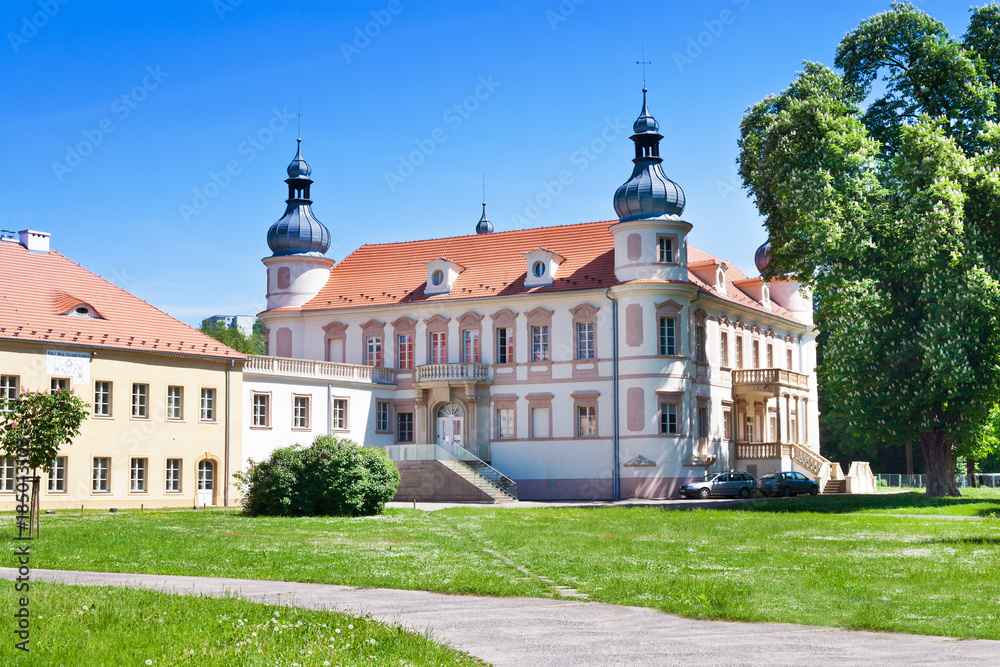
(453, 372)
(768, 379)
(325, 370)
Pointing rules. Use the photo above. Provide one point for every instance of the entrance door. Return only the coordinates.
(206, 483)
(449, 426)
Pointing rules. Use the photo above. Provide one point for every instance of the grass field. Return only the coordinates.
(835, 561)
(83, 626)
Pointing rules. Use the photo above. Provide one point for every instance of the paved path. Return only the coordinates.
(562, 633)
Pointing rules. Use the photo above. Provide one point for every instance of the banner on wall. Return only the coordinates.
(74, 365)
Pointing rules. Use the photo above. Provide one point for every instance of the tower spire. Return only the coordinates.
(484, 226)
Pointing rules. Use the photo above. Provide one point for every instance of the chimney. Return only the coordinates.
(35, 241)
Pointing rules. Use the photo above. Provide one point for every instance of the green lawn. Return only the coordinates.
(831, 561)
(87, 626)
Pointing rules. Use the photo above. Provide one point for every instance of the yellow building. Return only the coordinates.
(165, 399)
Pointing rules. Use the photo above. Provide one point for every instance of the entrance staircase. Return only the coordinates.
(460, 463)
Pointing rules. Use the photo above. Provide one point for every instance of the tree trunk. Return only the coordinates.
(970, 470)
(939, 455)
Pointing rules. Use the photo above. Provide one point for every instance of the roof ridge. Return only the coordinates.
(479, 236)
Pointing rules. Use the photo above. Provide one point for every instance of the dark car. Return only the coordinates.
(787, 483)
(740, 484)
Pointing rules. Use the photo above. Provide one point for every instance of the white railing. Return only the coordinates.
(478, 372)
(770, 376)
(758, 450)
(318, 369)
(433, 452)
(808, 459)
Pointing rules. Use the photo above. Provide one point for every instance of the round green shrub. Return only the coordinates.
(332, 477)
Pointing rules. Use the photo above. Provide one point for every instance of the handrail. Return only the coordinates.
(257, 363)
(770, 376)
(433, 452)
(479, 372)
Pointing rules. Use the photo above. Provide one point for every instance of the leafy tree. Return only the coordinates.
(35, 425)
(234, 338)
(891, 213)
(333, 476)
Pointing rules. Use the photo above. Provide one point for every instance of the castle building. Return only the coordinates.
(606, 359)
(164, 421)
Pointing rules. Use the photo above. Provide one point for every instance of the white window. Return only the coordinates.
(724, 349)
(739, 351)
(471, 353)
(102, 399)
(261, 411)
(668, 336)
(59, 384)
(665, 249)
(140, 401)
(404, 427)
(788, 359)
(57, 476)
(505, 345)
(373, 350)
(699, 342)
(755, 353)
(101, 475)
(300, 410)
(505, 422)
(540, 343)
(7, 467)
(382, 416)
(175, 402)
(137, 476)
(586, 420)
(208, 405)
(404, 359)
(668, 418)
(339, 413)
(585, 340)
(439, 347)
(173, 479)
(8, 391)
(770, 356)
(727, 424)
(538, 269)
(702, 422)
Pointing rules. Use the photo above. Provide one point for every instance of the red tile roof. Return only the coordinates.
(394, 273)
(36, 289)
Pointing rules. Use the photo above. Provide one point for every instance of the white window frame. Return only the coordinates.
(471, 339)
(172, 475)
(373, 350)
(8, 391)
(102, 398)
(100, 477)
(668, 337)
(669, 418)
(382, 417)
(260, 410)
(207, 404)
(665, 250)
(175, 402)
(58, 384)
(586, 348)
(540, 351)
(301, 405)
(505, 423)
(137, 475)
(140, 400)
(57, 476)
(439, 347)
(586, 421)
(404, 357)
(8, 466)
(338, 413)
(505, 345)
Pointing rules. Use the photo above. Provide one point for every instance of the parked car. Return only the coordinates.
(787, 483)
(740, 484)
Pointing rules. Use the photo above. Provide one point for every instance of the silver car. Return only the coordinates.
(740, 484)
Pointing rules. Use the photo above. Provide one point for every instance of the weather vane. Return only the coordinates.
(643, 62)
(299, 114)
(484, 188)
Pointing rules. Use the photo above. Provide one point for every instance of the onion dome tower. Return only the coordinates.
(650, 237)
(297, 269)
(484, 226)
(784, 291)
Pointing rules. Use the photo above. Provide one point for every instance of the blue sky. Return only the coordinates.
(151, 138)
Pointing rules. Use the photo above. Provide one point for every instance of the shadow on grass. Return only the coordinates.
(978, 541)
(887, 503)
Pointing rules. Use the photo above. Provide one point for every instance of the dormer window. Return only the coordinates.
(83, 310)
(765, 295)
(720, 278)
(542, 265)
(441, 275)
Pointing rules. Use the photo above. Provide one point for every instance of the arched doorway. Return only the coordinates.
(206, 483)
(450, 425)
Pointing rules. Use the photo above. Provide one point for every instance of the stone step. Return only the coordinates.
(480, 482)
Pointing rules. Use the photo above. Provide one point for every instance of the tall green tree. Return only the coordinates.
(234, 338)
(890, 211)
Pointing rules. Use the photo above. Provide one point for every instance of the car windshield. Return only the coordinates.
(710, 477)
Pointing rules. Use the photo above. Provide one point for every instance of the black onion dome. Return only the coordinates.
(762, 256)
(648, 194)
(298, 232)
